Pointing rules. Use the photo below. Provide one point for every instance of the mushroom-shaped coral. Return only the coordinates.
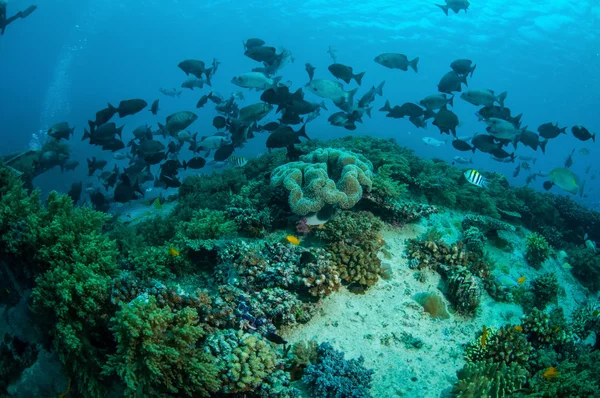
(311, 181)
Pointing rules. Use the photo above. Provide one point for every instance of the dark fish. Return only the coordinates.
(69, 165)
(223, 153)
(436, 101)
(502, 154)
(219, 122)
(454, 5)
(498, 112)
(395, 112)
(412, 110)
(485, 143)
(532, 140)
(98, 201)
(549, 130)
(95, 164)
(285, 136)
(125, 191)
(311, 71)
(104, 115)
(111, 180)
(280, 95)
(463, 67)
(569, 160)
(293, 154)
(369, 96)
(130, 107)
(345, 73)
(147, 147)
(275, 338)
(171, 166)
(343, 119)
(302, 107)
(75, 191)
(253, 42)
(517, 170)
(113, 145)
(194, 163)
(582, 134)
(272, 126)
(262, 54)
(462, 145)
(155, 158)
(169, 181)
(194, 67)
(154, 107)
(396, 61)
(418, 122)
(142, 132)
(451, 81)
(61, 131)
(446, 121)
(307, 258)
(202, 101)
(179, 121)
(291, 118)
(105, 132)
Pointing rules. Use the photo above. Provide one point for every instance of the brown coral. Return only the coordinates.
(321, 276)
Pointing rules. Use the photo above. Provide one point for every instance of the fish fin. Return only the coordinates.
(501, 98)
(276, 81)
(119, 132)
(444, 8)
(351, 95)
(413, 64)
(359, 77)
(379, 89)
(386, 107)
(463, 79)
(543, 146)
(322, 105)
(302, 132)
(473, 68)
(368, 112)
(451, 101)
(86, 135)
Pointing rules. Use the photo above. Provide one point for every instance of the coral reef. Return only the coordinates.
(545, 290)
(586, 266)
(490, 379)
(537, 250)
(334, 376)
(311, 187)
(320, 274)
(156, 353)
(248, 359)
(485, 224)
(507, 345)
(544, 331)
(474, 239)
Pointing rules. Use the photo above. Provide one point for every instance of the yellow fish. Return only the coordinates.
(521, 280)
(519, 328)
(173, 252)
(293, 240)
(550, 373)
(484, 336)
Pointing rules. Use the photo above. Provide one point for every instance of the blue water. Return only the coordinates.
(69, 58)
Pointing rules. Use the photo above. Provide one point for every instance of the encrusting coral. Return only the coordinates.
(311, 181)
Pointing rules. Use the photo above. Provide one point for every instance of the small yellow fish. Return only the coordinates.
(519, 328)
(293, 240)
(521, 280)
(484, 336)
(550, 373)
(173, 252)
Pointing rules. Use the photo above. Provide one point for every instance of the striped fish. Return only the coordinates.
(475, 178)
(237, 161)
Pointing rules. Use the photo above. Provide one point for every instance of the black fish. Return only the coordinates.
(569, 160)
(272, 126)
(195, 67)
(125, 192)
(446, 121)
(454, 5)
(156, 158)
(275, 338)
(95, 164)
(291, 118)
(502, 154)
(154, 107)
(202, 101)
(98, 201)
(219, 122)
(293, 154)
(395, 112)
(104, 115)
(61, 131)
(112, 178)
(285, 136)
(462, 145)
(113, 145)
(169, 181)
(549, 130)
(130, 107)
(345, 73)
(223, 153)
(532, 140)
(485, 143)
(253, 42)
(311, 71)
(582, 134)
(171, 166)
(194, 163)
(451, 81)
(75, 191)
(463, 67)
(262, 54)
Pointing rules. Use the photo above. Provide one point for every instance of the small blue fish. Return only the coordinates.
(475, 178)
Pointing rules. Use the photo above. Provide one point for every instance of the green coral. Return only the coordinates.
(157, 352)
(544, 330)
(490, 379)
(312, 181)
(537, 250)
(506, 345)
(385, 189)
(545, 290)
(248, 359)
(586, 266)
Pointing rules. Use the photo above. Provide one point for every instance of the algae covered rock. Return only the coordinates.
(324, 176)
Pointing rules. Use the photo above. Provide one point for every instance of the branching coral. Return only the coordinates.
(334, 376)
(544, 331)
(537, 250)
(490, 379)
(311, 181)
(157, 352)
(545, 290)
(248, 359)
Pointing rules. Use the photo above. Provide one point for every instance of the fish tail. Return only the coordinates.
(359, 77)
(322, 105)
(472, 69)
(594, 137)
(501, 98)
(543, 146)
(413, 64)
(451, 101)
(386, 107)
(444, 8)
(302, 132)
(86, 135)
(379, 89)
